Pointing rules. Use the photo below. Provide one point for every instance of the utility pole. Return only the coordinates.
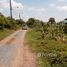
(10, 10)
(19, 16)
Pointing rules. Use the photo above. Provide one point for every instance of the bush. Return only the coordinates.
(48, 40)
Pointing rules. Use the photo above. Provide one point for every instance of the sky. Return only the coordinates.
(39, 9)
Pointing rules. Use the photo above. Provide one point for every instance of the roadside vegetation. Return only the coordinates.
(7, 26)
(4, 33)
(49, 41)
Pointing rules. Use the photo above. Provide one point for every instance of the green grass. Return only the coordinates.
(49, 49)
(4, 33)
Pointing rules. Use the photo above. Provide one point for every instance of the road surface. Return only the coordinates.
(13, 52)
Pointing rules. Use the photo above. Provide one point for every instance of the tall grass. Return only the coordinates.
(50, 53)
(4, 33)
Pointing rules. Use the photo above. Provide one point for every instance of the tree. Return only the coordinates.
(51, 21)
(20, 22)
(31, 22)
(2, 21)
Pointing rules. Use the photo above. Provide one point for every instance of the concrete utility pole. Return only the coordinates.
(19, 16)
(10, 10)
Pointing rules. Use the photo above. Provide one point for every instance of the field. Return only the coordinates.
(50, 53)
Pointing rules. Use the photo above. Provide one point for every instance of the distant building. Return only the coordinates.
(65, 27)
(65, 21)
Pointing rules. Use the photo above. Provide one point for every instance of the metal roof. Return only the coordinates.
(65, 21)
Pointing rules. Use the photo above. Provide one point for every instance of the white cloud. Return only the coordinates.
(15, 4)
(62, 8)
(41, 9)
(36, 9)
(61, 0)
(6, 4)
(31, 9)
(1, 9)
(52, 5)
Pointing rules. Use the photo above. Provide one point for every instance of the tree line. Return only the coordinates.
(5, 22)
(49, 38)
(51, 29)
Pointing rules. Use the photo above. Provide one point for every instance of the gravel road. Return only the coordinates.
(13, 52)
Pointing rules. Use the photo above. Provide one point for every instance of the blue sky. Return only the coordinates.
(39, 9)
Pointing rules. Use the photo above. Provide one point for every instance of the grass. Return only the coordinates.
(4, 33)
(51, 51)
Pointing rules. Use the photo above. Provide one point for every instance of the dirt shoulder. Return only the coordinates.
(29, 56)
(25, 58)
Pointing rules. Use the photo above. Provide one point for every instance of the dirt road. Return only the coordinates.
(13, 53)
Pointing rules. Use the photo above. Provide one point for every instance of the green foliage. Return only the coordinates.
(20, 22)
(4, 33)
(49, 41)
(31, 22)
(7, 25)
(6, 22)
(51, 21)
